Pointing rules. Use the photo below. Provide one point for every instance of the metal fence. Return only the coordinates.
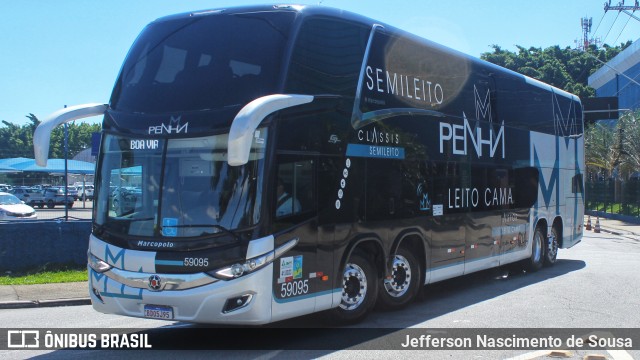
(19, 183)
(613, 196)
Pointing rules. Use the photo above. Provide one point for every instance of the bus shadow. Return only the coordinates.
(316, 335)
(452, 295)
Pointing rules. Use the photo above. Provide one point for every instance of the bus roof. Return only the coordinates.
(316, 10)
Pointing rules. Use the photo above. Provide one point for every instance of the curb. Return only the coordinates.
(618, 232)
(614, 232)
(22, 304)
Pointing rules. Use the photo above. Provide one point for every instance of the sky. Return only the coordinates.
(68, 52)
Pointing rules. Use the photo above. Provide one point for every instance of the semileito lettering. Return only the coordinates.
(411, 87)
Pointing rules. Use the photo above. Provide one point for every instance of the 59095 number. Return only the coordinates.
(196, 261)
(294, 288)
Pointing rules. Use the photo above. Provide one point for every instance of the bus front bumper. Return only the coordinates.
(244, 300)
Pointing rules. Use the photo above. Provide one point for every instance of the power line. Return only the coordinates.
(625, 25)
(614, 69)
(614, 22)
(599, 23)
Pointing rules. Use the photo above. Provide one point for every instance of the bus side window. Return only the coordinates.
(295, 189)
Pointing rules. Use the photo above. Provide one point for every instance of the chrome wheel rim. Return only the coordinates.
(553, 247)
(400, 280)
(354, 287)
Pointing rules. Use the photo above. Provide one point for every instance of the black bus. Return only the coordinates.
(260, 163)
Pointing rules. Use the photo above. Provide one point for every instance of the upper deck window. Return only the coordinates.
(327, 57)
(203, 63)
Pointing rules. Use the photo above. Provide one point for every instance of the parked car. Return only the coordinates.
(50, 197)
(72, 191)
(123, 199)
(12, 208)
(22, 193)
(86, 192)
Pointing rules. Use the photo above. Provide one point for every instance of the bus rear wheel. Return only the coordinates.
(535, 262)
(359, 289)
(551, 250)
(403, 286)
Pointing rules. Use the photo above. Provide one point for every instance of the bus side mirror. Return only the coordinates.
(249, 118)
(42, 135)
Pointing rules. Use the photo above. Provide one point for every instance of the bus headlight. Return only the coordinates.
(97, 264)
(237, 270)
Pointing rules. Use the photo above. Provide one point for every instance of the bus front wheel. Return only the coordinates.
(359, 288)
(404, 282)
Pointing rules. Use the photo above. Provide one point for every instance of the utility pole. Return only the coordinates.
(623, 8)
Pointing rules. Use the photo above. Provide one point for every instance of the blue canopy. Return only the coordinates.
(7, 169)
(53, 166)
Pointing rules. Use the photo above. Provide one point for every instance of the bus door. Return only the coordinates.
(484, 224)
(482, 241)
(448, 223)
(296, 275)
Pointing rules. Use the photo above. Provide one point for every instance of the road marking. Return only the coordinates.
(615, 355)
(531, 355)
(620, 355)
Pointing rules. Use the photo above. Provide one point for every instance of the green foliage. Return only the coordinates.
(17, 141)
(567, 69)
(612, 149)
(46, 277)
(46, 274)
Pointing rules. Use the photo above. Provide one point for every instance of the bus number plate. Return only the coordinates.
(158, 312)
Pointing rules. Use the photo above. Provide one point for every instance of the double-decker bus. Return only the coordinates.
(261, 163)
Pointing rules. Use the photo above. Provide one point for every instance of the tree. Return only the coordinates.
(599, 157)
(17, 141)
(629, 138)
(567, 69)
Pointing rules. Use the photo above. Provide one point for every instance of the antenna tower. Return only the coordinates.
(583, 44)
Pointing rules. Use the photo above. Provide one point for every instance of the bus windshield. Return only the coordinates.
(202, 62)
(177, 188)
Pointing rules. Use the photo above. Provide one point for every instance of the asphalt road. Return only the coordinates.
(594, 285)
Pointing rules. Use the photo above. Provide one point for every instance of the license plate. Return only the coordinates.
(158, 312)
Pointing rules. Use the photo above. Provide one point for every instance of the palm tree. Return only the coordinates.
(600, 156)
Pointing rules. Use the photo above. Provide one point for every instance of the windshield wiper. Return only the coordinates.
(219, 227)
(129, 219)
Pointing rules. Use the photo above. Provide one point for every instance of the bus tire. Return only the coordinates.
(403, 287)
(535, 262)
(551, 248)
(359, 289)
(51, 204)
